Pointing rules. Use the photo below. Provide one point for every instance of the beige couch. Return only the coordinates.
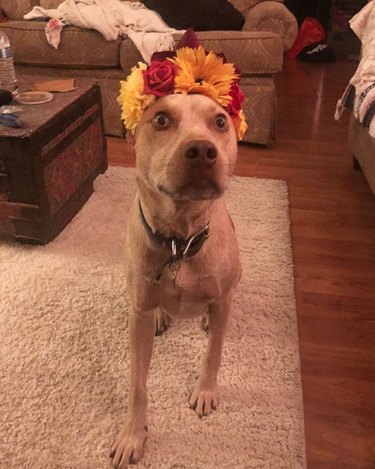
(362, 145)
(257, 50)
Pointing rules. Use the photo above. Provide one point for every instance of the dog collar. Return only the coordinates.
(180, 248)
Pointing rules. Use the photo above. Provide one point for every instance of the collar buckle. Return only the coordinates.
(204, 232)
(174, 250)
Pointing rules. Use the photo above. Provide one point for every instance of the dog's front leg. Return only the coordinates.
(128, 448)
(204, 397)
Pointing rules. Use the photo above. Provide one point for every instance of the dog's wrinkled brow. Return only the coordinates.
(176, 110)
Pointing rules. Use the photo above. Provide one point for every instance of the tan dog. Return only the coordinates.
(186, 149)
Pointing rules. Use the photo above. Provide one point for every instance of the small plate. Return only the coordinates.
(34, 97)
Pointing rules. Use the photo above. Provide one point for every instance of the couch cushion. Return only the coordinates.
(15, 9)
(50, 3)
(79, 48)
(252, 52)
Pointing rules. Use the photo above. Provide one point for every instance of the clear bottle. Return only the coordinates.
(8, 78)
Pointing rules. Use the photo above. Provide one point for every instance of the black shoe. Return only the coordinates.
(317, 53)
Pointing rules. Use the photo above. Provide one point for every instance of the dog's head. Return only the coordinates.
(185, 110)
(186, 147)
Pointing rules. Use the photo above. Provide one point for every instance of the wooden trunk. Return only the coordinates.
(47, 168)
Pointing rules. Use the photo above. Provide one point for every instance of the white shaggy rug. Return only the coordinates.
(64, 348)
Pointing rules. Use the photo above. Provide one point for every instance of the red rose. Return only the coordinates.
(237, 96)
(159, 78)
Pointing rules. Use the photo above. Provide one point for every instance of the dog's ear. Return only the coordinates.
(130, 138)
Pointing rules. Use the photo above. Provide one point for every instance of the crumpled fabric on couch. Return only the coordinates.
(362, 83)
(113, 18)
(363, 24)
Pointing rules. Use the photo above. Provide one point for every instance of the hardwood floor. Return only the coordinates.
(332, 214)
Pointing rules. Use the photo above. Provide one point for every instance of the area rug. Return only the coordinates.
(64, 347)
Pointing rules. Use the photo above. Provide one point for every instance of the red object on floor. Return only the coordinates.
(310, 32)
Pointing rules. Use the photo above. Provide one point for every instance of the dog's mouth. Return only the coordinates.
(202, 189)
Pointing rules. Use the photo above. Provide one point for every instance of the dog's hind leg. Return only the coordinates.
(162, 321)
(204, 323)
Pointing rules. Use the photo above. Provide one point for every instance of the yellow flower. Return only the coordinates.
(240, 125)
(203, 73)
(132, 98)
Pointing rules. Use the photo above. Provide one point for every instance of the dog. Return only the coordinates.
(181, 247)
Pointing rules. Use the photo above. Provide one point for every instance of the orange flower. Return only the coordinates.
(240, 125)
(203, 73)
(133, 99)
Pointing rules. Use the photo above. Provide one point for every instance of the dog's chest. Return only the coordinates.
(205, 286)
(187, 293)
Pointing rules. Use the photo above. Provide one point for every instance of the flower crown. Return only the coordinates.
(188, 70)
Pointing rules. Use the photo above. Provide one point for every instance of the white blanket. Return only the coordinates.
(363, 24)
(111, 17)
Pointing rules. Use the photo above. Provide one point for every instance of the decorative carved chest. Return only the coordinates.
(48, 167)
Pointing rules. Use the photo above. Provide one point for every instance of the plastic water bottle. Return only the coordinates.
(8, 78)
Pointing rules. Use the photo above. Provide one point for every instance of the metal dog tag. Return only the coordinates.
(173, 269)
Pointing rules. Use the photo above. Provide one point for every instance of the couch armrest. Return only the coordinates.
(16, 10)
(273, 17)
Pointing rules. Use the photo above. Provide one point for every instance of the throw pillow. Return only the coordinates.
(244, 5)
(202, 15)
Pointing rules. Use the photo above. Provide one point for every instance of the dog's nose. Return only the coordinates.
(201, 152)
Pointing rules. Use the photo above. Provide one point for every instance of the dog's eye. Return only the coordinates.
(221, 123)
(161, 121)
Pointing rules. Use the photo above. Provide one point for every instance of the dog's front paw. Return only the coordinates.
(129, 446)
(204, 399)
